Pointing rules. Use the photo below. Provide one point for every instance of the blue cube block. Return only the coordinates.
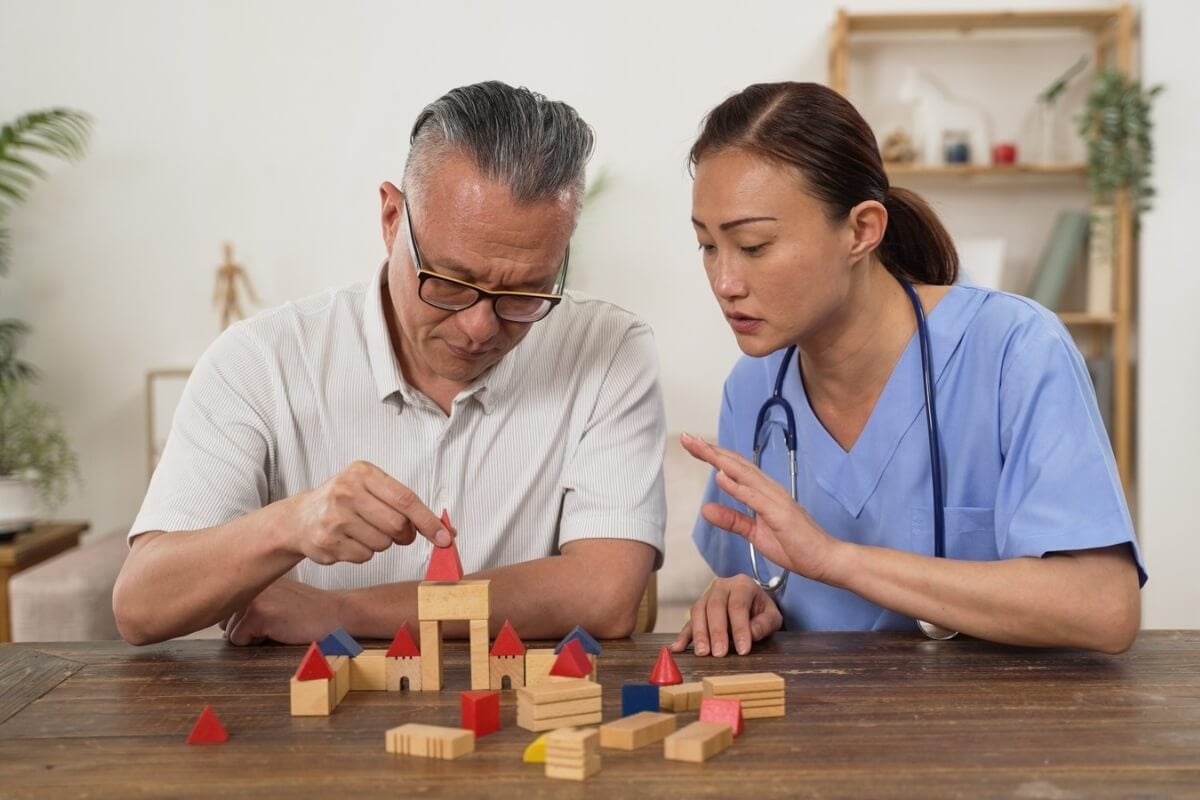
(637, 697)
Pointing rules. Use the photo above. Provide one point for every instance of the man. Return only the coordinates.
(314, 443)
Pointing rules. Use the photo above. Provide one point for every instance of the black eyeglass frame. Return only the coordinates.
(424, 276)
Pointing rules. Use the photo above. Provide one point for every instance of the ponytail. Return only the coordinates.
(916, 245)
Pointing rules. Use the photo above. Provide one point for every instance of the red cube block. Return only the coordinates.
(481, 712)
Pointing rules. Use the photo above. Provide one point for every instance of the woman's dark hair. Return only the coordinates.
(816, 131)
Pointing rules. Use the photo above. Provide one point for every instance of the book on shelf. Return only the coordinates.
(1060, 258)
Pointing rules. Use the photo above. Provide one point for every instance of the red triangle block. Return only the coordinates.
(666, 672)
(314, 667)
(403, 645)
(723, 710)
(572, 662)
(507, 642)
(444, 564)
(208, 729)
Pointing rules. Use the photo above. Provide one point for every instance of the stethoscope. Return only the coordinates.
(763, 428)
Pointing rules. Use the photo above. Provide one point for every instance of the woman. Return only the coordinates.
(806, 245)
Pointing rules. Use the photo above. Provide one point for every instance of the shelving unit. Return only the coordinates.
(1111, 31)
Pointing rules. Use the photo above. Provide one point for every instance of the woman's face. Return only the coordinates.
(779, 268)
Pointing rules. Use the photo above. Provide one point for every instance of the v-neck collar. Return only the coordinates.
(851, 477)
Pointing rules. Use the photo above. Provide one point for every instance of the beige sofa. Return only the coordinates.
(69, 597)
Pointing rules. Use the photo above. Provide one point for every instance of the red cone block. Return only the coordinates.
(208, 729)
(665, 673)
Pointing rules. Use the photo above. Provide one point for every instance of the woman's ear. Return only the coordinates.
(868, 222)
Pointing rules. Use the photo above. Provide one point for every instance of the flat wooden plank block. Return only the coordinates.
(368, 671)
(744, 682)
(539, 725)
(586, 738)
(763, 713)
(769, 702)
(312, 698)
(697, 742)
(680, 697)
(429, 741)
(575, 773)
(637, 730)
(559, 691)
(465, 600)
(538, 663)
(773, 694)
(431, 656)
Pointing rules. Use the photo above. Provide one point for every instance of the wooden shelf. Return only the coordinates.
(972, 170)
(1084, 318)
(1084, 19)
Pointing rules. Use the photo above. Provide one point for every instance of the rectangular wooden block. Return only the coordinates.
(573, 740)
(538, 663)
(465, 600)
(312, 698)
(563, 708)
(697, 742)
(741, 684)
(430, 741)
(574, 772)
(538, 725)
(481, 672)
(680, 697)
(500, 667)
(431, 655)
(575, 689)
(340, 665)
(400, 668)
(637, 730)
(763, 713)
(368, 671)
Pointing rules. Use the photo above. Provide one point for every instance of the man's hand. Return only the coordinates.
(286, 612)
(734, 607)
(357, 513)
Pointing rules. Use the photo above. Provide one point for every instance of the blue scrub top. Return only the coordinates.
(1026, 460)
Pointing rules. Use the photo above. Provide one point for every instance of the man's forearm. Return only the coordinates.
(597, 584)
(175, 583)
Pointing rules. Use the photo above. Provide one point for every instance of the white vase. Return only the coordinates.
(18, 504)
(1101, 259)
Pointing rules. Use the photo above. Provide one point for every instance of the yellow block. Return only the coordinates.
(465, 600)
(535, 753)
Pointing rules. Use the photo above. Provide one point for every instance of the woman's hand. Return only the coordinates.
(781, 530)
(736, 606)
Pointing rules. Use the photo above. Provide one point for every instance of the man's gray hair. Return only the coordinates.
(537, 148)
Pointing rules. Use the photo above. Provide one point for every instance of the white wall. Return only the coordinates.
(271, 124)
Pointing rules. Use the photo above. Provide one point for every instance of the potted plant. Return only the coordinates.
(36, 462)
(1116, 125)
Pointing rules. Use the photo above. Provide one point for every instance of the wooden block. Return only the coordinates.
(637, 730)
(539, 725)
(431, 655)
(572, 753)
(538, 663)
(559, 691)
(481, 673)
(368, 671)
(763, 713)
(775, 695)
(340, 666)
(564, 708)
(768, 703)
(398, 669)
(574, 773)
(744, 682)
(313, 698)
(697, 742)
(465, 600)
(573, 739)
(501, 667)
(429, 741)
(680, 697)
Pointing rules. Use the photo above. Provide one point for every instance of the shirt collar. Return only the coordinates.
(488, 389)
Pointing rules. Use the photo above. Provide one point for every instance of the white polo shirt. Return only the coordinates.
(562, 440)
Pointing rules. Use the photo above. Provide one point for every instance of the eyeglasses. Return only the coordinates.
(451, 294)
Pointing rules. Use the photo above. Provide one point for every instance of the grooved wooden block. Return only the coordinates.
(637, 730)
(539, 725)
(465, 600)
(559, 704)
(697, 742)
(743, 683)
(481, 673)
(400, 668)
(680, 697)
(572, 754)
(368, 671)
(538, 663)
(564, 708)
(575, 689)
(431, 656)
(340, 665)
(430, 741)
(312, 698)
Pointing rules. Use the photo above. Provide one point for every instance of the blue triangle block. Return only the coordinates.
(590, 645)
(340, 643)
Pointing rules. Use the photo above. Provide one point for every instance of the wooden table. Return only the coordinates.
(868, 715)
(32, 547)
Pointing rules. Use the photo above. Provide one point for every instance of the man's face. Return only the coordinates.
(467, 227)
